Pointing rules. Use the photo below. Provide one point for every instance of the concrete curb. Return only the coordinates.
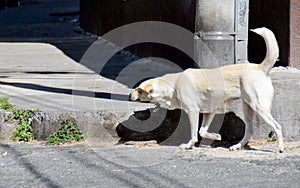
(99, 126)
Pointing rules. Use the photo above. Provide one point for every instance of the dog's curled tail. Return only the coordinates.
(272, 48)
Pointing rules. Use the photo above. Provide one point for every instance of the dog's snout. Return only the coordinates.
(134, 95)
(131, 98)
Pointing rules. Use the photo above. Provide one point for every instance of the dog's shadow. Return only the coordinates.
(174, 129)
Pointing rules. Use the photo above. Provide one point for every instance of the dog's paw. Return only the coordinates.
(280, 146)
(212, 136)
(185, 146)
(235, 147)
(281, 149)
(217, 137)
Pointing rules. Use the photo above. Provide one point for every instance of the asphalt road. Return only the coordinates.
(35, 165)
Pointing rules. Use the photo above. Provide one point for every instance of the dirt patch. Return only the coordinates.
(255, 150)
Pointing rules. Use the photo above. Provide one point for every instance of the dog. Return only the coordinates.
(209, 91)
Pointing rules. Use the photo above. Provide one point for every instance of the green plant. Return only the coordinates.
(22, 118)
(272, 139)
(4, 104)
(69, 132)
(24, 131)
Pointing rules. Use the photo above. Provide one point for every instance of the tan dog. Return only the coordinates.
(209, 91)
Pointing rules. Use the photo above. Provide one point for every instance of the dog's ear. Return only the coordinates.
(138, 90)
(148, 89)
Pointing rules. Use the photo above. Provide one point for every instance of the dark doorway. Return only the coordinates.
(275, 16)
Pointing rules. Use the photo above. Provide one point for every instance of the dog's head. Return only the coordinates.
(158, 90)
(143, 92)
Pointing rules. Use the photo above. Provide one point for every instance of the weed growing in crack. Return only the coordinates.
(68, 133)
(24, 131)
(4, 104)
(22, 118)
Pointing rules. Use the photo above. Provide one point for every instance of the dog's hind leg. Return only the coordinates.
(266, 115)
(194, 123)
(207, 119)
(249, 115)
(261, 100)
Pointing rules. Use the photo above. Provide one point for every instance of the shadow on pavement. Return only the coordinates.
(36, 87)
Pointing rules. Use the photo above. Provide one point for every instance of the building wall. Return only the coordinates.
(295, 33)
(102, 16)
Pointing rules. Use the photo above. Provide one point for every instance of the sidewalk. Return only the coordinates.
(40, 76)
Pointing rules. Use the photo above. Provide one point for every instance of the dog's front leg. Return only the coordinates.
(207, 119)
(194, 122)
